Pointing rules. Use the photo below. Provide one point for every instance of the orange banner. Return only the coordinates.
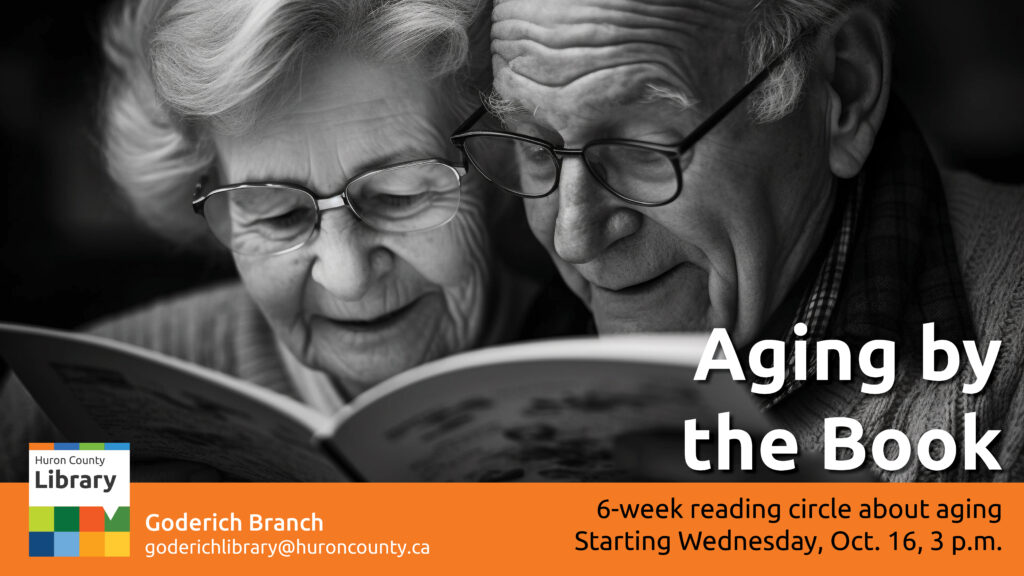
(551, 528)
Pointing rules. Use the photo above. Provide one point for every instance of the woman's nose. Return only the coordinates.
(349, 257)
(590, 218)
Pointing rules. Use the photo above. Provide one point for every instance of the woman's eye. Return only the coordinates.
(400, 200)
(396, 200)
(287, 219)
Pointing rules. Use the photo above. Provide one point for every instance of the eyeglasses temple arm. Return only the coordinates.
(469, 122)
(749, 87)
(198, 198)
(724, 110)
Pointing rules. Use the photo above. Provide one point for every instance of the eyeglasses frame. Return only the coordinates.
(332, 202)
(672, 151)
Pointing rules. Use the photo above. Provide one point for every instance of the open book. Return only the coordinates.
(539, 411)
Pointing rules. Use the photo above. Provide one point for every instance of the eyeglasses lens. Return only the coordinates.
(517, 166)
(634, 172)
(406, 198)
(261, 220)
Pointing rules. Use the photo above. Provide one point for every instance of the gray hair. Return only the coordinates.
(779, 25)
(178, 69)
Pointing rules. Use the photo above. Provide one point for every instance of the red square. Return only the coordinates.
(90, 519)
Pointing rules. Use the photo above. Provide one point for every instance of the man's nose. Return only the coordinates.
(590, 218)
(349, 257)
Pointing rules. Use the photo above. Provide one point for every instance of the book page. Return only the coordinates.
(547, 411)
(100, 390)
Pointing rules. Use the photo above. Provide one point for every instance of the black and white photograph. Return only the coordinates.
(516, 240)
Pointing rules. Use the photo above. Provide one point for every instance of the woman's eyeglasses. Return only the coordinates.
(269, 218)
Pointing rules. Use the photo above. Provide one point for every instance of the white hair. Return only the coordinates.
(181, 68)
(776, 26)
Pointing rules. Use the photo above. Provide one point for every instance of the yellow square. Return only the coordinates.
(91, 544)
(117, 544)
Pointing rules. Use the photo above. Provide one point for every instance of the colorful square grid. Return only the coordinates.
(78, 531)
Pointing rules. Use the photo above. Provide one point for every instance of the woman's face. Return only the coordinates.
(357, 303)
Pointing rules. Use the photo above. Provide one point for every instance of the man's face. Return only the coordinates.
(755, 197)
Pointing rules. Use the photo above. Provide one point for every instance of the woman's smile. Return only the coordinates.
(389, 320)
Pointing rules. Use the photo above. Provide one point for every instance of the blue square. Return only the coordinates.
(65, 544)
(40, 544)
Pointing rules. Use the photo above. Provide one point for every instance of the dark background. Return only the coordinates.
(72, 252)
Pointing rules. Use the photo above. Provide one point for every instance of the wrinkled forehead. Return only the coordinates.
(566, 60)
(347, 116)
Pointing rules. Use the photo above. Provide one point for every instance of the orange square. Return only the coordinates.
(91, 519)
(40, 446)
(91, 544)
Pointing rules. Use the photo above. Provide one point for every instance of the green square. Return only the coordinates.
(40, 519)
(91, 446)
(65, 519)
(119, 523)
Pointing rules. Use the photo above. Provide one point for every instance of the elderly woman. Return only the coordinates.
(312, 137)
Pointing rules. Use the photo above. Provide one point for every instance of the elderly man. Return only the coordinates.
(739, 164)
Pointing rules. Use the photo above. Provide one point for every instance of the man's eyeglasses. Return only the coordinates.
(641, 173)
(269, 218)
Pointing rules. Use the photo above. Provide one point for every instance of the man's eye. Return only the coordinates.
(650, 160)
(536, 155)
(636, 157)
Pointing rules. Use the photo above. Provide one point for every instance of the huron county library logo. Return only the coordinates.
(79, 499)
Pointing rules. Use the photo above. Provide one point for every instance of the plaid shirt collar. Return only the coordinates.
(822, 297)
(891, 265)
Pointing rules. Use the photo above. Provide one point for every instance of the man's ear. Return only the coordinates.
(857, 67)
